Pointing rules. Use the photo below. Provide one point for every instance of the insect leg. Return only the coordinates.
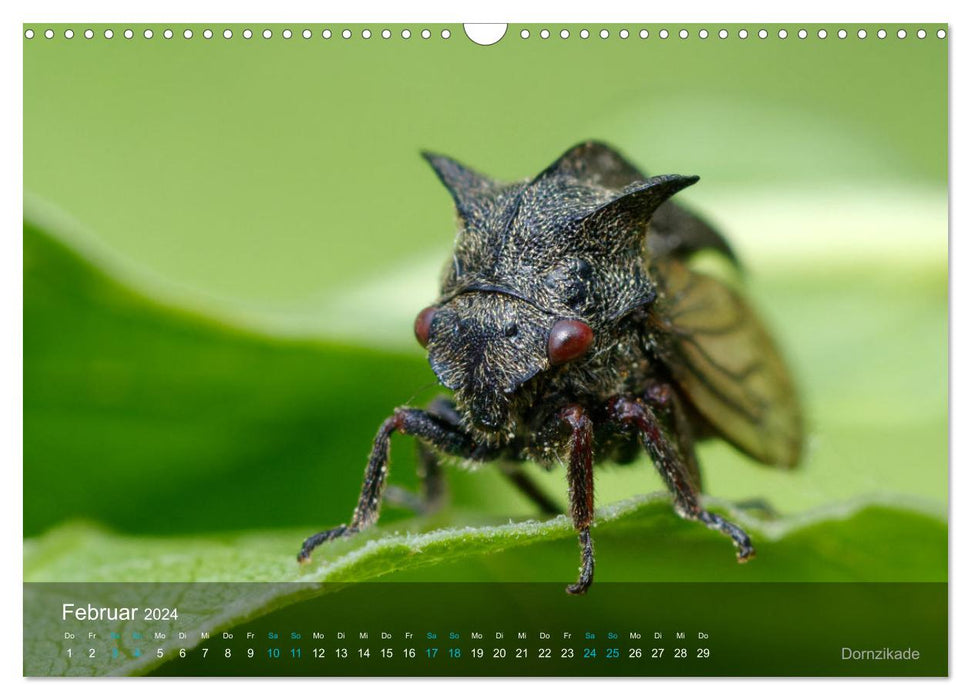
(407, 421)
(430, 474)
(431, 478)
(529, 488)
(433, 491)
(665, 399)
(580, 480)
(634, 413)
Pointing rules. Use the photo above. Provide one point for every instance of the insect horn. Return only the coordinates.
(632, 210)
(468, 188)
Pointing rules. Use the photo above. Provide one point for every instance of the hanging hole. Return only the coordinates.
(485, 34)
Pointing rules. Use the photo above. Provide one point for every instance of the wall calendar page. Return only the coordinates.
(431, 349)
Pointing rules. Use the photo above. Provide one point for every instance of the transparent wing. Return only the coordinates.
(721, 355)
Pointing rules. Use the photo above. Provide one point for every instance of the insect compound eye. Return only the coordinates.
(569, 339)
(423, 324)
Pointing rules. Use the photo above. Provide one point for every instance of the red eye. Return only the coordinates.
(569, 339)
(423, 324)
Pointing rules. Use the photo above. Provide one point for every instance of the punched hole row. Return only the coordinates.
(245, 34)
(725, 33)
(524, 33)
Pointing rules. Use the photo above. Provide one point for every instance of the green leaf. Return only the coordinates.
(138, 410)
(639, 539)
(901, 541)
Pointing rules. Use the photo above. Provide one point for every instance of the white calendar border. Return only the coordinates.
(495, 11)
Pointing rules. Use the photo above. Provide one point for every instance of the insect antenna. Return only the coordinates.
(421, 389)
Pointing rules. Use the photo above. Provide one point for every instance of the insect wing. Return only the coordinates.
(721, 355)
(678, 233)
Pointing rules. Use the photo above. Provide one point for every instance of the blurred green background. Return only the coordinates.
(274, 231)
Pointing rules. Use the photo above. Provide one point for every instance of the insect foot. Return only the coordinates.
(314, 541)
(743, 545)
(586, 569)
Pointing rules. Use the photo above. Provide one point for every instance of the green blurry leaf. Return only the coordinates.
(638, 539)
(152, 418)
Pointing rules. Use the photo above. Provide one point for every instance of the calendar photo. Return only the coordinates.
(485, 350)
